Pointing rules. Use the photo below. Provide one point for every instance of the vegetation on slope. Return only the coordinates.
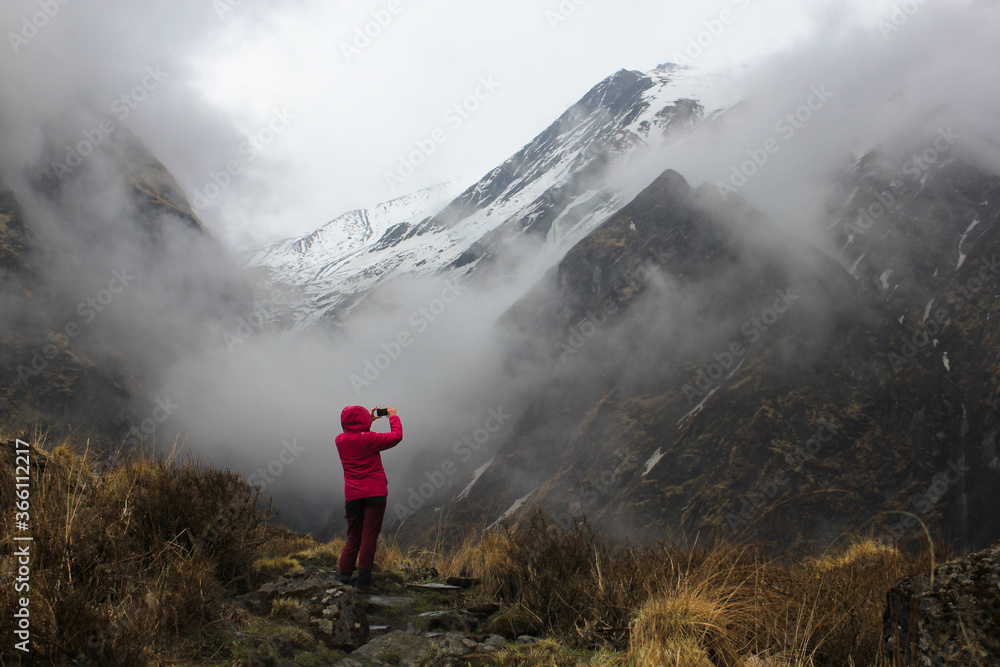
(133, 564)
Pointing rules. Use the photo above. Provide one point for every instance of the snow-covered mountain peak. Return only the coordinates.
(556, 189)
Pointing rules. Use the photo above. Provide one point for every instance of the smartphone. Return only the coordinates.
(381, 412)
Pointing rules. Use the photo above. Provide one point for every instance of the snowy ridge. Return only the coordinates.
(553, 188)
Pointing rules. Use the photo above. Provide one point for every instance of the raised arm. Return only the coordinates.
(384, 441)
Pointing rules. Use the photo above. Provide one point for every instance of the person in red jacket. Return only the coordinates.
(365, 488)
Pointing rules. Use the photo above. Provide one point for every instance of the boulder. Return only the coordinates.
(454, 644)
(399, 648)
(952, 620)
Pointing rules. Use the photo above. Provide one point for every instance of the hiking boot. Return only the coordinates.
(364, 583)
(344, 578)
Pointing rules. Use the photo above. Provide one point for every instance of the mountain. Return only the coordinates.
(348, 253)
(705, 375)
(100, 269)
(557, 187)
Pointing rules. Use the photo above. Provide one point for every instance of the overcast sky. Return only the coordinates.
(335, 109)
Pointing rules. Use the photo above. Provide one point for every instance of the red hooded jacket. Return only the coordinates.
(359, 449)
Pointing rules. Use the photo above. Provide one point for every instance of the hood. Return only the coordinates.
(356, 418)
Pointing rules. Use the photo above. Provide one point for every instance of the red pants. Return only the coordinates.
(364, 521)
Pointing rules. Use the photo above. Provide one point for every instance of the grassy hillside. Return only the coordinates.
(136, 563)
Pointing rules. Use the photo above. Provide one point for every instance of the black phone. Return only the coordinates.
(381, 412)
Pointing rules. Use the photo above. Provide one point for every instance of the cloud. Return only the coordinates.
(225, 78)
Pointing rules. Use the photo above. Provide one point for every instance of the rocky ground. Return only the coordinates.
(407, 623)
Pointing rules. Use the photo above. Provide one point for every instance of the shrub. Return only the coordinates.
(127, 558)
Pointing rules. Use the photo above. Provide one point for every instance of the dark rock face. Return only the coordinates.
(707, 374)
(954, 620)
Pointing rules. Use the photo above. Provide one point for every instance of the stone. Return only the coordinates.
(343, 625)
(453, 619)
(395, 602)
(496, 641)
(452, 644)
(434, 586)
(302, 584)
(954, 620)
(399, 648)
(348, 662)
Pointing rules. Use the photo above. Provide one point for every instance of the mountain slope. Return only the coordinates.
(556, 187)
(98, 270)
(744, 386)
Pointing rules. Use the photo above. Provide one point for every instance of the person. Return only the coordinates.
(365, 488)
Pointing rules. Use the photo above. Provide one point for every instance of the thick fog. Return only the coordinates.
(242, 392)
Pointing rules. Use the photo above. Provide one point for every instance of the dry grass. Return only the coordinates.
(288, 608)
(131, 560)
(127, 558)
(720, 605)
(273, 567)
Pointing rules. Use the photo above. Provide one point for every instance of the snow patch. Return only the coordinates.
(513, 508)
(696, 409)
(652, 461)
(475, 478)
(944, 360)
(884, 278)
(961, 255)
(927, 310)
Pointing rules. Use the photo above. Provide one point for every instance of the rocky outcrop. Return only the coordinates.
(333, 612)
(347, 622)
(950, 619)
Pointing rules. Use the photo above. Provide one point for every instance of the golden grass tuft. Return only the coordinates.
(273, 567)
(289, 608)
(860, 553)
(672, 651)
(677, 628)
(544, 653)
